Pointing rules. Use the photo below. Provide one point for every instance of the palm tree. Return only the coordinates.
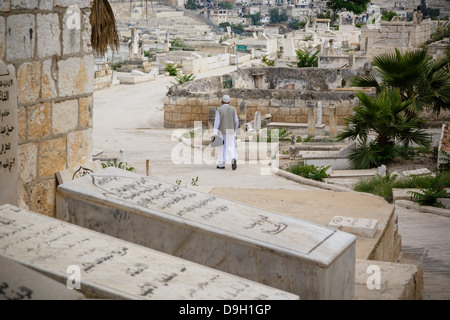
(385, 117)
(307, 59)
(418, 77)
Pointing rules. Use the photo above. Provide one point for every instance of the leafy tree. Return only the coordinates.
(354, 6)
(422, 80)
(295, 24)
(225, 5)
(256, 17)
(307, 59)
(191, 5)
(237, 28)
(388, 15)
(384, 116)
(276, 17)
(224, 25)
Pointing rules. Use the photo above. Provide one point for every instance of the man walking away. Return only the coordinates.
(226, 123)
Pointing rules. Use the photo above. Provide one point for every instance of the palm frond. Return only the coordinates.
(103, 23)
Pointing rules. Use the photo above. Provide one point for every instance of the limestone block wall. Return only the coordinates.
(102, 75)
(396, 34)
(180, 111)
(48, 42)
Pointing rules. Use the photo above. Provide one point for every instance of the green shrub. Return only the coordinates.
(184, 78)
(172, 69)
(309, 171)
(382, 186)
(434, 188)
(268, 62)
(266, 135)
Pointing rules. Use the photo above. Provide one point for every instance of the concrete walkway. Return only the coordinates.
(426, 243)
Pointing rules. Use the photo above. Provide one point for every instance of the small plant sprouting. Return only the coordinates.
(120, 165)
(194, 182)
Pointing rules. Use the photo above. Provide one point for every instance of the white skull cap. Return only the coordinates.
(226, 98)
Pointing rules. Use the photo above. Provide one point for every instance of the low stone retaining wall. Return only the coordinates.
(184, 107)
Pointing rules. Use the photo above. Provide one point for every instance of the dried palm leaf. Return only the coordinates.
(103, 23)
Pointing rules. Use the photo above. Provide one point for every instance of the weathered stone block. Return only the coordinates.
(21, 36)
(28, 161)
(65, 116)
(86, 108)
(29, 81)
(2, 37)
(79, 147)
(71, 31)
(5, 5)
(196, 109)
(48, 80)
(76, 76)
(22, 123)
(66, 3)
(301, 118)
(24, 4)
(357, 226)
(43, 197)
(181, 101)
(46, 4)
(284, 111)
(86, 32)
(52, 156)
(48, 33)
(39, 120)
(290, 119)
(275, 102)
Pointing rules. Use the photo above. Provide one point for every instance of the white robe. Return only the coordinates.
(228, 151)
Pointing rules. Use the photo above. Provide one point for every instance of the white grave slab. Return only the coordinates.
(8, 135)
(358, 226)
(290, 254)
(18, 282)
(113, 268)
(78, 171)
(417, 172)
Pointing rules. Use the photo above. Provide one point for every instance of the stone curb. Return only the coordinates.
(310, 182)
(427, 209)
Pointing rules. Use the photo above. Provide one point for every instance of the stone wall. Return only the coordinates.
(282, 92)
(180, 111)
(48, 43)
(395, 34)
(102, 75)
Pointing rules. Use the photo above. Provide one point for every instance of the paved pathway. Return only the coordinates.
(130, 118)
(426, 243)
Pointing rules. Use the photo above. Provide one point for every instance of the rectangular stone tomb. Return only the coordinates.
(18, 282)
(358, 226)
(110, 268)
(290, 254)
